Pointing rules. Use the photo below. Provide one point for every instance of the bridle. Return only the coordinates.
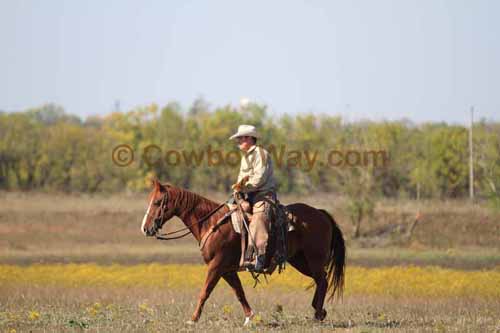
(158, 221)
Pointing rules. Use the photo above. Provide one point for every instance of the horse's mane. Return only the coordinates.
(186, 200)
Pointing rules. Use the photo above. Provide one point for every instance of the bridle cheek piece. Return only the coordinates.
(158, 221)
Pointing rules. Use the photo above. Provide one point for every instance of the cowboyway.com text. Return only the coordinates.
(306, 160)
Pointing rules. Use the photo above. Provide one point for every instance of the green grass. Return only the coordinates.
(462, 258)
(187, 252)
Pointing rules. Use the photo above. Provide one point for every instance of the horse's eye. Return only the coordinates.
(157, 202)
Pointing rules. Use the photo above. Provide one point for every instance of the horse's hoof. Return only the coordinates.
(190, 322)
(248, 320)
(320, 315)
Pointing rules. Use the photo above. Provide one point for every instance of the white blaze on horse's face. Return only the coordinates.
(145, 219)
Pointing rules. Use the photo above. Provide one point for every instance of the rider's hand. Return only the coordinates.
(241, 184)
(236, 195)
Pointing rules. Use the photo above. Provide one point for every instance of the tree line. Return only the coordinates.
(46, 148)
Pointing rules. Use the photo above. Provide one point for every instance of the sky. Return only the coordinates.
(423, 60)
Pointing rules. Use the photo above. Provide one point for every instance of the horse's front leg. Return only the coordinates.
(213, 277)
(234, 281)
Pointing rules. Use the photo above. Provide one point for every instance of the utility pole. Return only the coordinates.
(471, 159)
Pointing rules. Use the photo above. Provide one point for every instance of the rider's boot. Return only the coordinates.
(260, 262)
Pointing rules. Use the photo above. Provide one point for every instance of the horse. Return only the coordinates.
(316, 247)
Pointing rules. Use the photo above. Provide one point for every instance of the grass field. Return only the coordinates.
(51, 228)
(79, 263)
(161, 297)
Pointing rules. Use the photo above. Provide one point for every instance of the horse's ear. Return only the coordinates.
(157, 186)
(164, 186)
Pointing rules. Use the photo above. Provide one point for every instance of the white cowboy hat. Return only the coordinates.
(245, 130)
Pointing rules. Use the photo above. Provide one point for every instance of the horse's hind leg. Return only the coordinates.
(310, 262)
(319, 295)
(234, 281)
(318, 273)
(299, 262)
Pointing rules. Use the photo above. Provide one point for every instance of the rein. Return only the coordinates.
(203, 219)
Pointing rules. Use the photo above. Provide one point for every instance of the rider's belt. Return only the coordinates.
(257, 196)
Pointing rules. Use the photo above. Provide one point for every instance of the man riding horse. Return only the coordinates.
(315, 247)
(259, 190)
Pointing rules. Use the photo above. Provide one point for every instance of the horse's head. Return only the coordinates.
(159, 211)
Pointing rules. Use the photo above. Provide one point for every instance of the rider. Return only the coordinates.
(256, 163)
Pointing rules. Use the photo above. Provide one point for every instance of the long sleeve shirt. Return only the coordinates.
(258, 165)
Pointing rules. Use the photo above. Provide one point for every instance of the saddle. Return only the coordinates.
(283, 222)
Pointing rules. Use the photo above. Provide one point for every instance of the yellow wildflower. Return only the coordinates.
(34, 315)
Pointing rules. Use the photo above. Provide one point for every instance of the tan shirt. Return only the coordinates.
(258, 165)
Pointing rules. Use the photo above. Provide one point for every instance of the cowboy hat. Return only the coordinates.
(245, 130)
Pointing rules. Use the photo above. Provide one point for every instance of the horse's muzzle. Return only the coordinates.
(149, 232)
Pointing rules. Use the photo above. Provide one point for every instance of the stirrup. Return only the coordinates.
(252, 267)
(260, 263)
(247, 265)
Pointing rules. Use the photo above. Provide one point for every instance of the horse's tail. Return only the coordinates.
(336, 263)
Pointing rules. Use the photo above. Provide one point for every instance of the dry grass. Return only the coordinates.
(60, 228)
(98, 309)
(39, 227)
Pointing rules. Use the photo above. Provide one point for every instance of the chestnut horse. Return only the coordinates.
(315, 248)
